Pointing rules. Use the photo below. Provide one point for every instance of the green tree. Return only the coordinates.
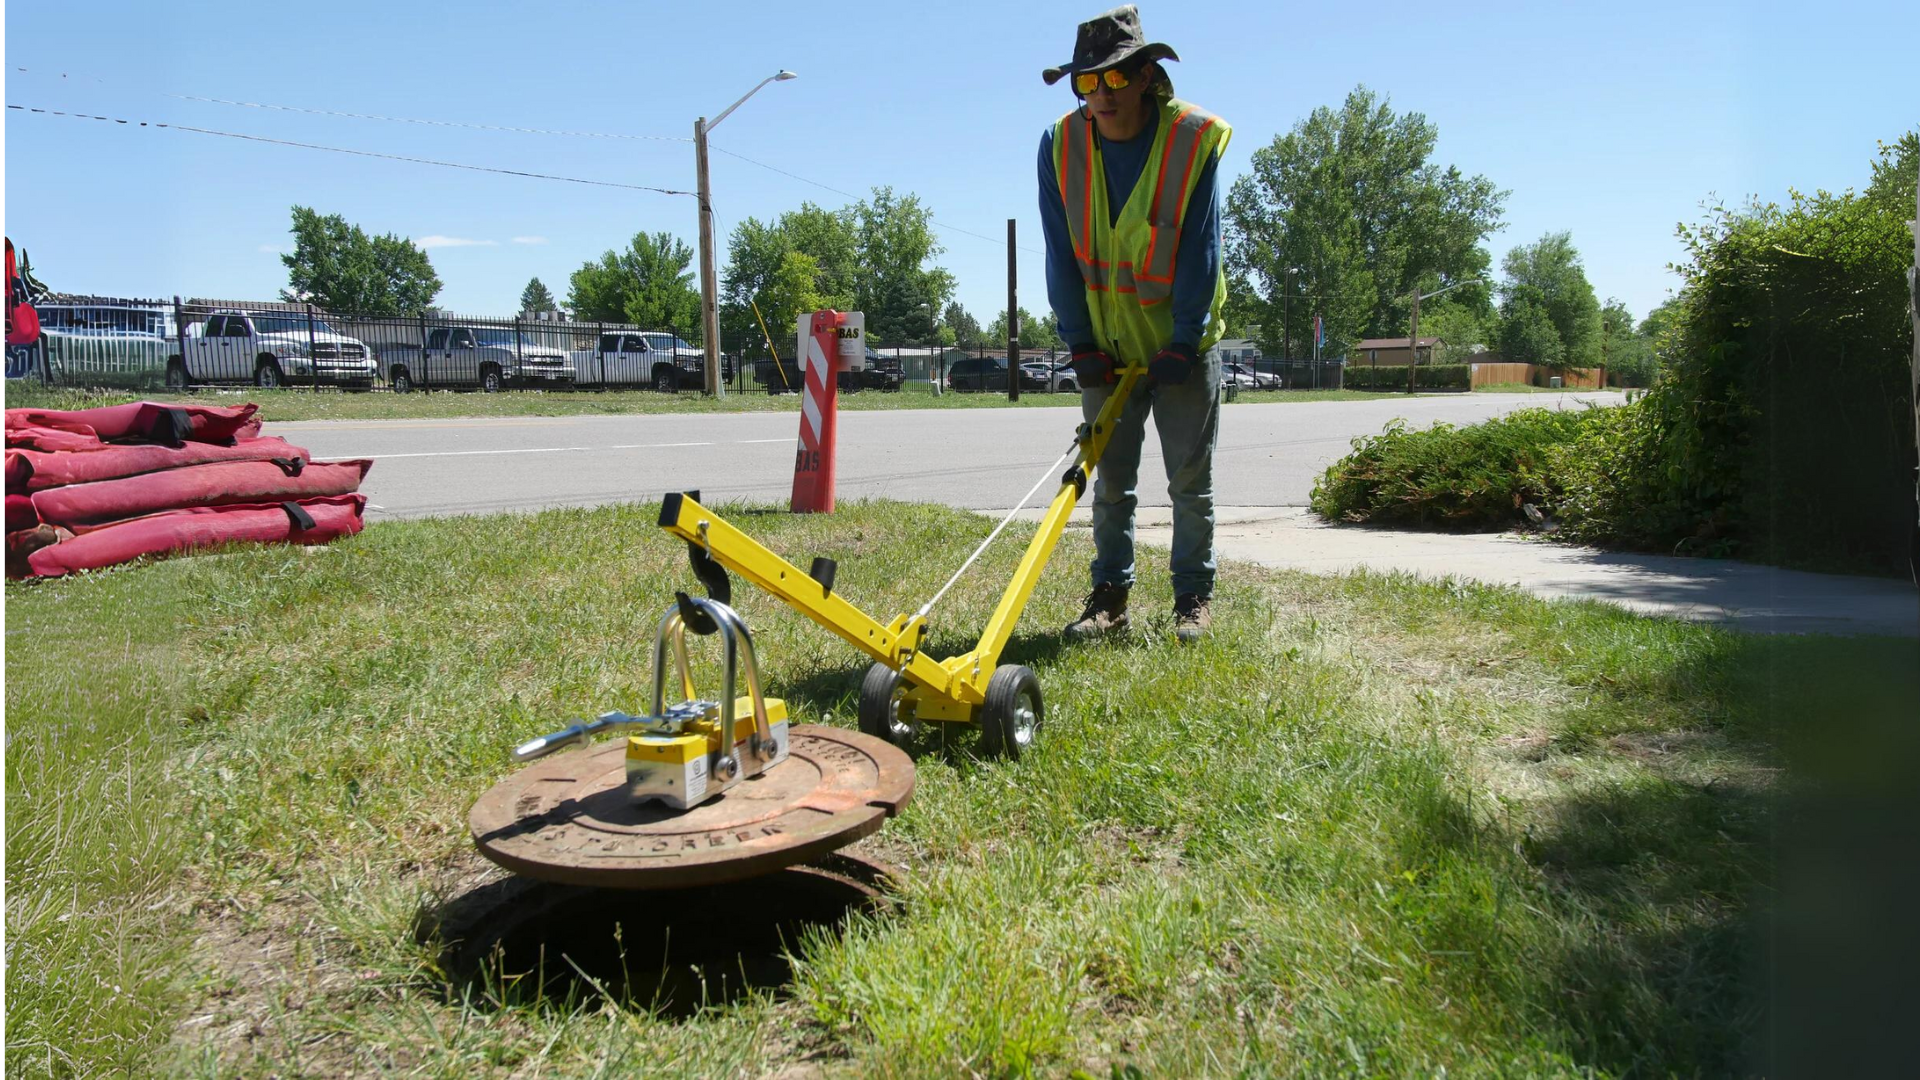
(1551, 269)
(537, 297)
(1351, 200)
(649, 284)
(1527, 334)
(1041, 333)
(760, 271)
(340, 268)
(1461, 326)
(1627, 354)
(965, 328)
(898, 290)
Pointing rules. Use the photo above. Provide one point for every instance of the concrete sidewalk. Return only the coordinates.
(1741, 595)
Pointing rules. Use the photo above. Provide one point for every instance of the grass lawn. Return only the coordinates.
(285, 405)
(1370, 827)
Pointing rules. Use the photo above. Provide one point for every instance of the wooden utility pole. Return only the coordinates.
(1413, 341)
(709, 316)
(1013, 318)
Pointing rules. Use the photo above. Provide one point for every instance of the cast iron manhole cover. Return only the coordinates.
(568, 818)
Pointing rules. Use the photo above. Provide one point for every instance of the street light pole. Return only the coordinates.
(1413, 339)
(709, 290)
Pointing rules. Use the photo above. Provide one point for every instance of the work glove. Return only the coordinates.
(1173, 364)
(1093, 366)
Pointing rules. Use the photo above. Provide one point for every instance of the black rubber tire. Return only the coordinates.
(268, 376)
(880, 694)
(1068, 386)
(490, 382)
(401, 380)
(1010, 719)
(177, 375)
(665, 379)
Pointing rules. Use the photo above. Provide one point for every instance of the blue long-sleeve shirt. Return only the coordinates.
(1196, 264)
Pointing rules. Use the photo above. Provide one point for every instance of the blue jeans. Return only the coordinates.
(1187, 417)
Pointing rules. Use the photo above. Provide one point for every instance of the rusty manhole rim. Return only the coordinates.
(566, 819)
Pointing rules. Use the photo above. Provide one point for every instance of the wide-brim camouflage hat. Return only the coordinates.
(1108, 41)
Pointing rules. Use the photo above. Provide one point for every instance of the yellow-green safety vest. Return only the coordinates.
(1128, 266)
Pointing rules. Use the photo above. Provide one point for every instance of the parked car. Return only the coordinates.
(978, 373)
(1053, 378)
(1248, 378)
(126, 345)
(646, 358)
(489, 357)
(267, 349)
(881, 373)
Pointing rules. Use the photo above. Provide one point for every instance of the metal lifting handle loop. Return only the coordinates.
(739, 637)
(739, 652)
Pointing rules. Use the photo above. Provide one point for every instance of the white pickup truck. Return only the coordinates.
(488, 357)
(268, 350)
(646, 358)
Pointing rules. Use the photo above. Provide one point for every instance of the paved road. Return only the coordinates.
(982, 459)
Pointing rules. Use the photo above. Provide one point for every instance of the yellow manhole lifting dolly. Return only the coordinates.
(905, 685)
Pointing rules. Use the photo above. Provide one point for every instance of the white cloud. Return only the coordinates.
(269, 249)
(529, 239)
(425, 242)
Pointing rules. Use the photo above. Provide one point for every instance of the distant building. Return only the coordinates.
(1239, 350)
(1394, 351)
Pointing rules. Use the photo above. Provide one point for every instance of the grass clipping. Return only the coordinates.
(1371, 825)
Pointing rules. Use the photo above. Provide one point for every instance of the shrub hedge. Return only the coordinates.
(1781, 430)
(1429, 377)
(1474, 477)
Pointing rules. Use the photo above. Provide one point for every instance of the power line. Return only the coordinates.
(483, 127)
(393, 119)
(346, 150)
(829, 187)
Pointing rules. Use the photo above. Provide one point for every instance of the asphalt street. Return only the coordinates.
(986, 459)
(979, 459)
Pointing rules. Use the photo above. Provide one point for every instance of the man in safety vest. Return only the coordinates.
(1132, 220)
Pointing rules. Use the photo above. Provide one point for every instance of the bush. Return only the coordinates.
(1430, 377)
(1473, 477)
(1782, 429)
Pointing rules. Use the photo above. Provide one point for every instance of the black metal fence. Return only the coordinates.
(127, 343)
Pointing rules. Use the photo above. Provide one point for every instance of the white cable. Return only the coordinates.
(997, 529)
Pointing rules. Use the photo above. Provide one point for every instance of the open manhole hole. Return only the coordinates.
(522, 942)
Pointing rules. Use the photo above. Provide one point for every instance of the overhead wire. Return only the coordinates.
(376, 116)
(349, 150)
(934, 219)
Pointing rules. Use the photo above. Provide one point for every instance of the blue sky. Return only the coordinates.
(1611, 121)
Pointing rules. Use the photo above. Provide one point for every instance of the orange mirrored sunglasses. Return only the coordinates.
(1086, 82)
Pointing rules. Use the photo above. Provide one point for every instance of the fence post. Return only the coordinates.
(313, 361)
(420, 377)
(519, 355)
(180, 340)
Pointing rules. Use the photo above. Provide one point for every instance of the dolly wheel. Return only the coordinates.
(1011, 716)
(884, 712)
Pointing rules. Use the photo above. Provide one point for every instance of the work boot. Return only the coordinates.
(1192, 616)
(1106, 612)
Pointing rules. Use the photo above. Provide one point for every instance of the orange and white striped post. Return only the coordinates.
(829, 342)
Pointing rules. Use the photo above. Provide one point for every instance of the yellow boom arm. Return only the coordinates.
(945, 690)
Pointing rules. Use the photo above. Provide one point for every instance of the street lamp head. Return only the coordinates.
(784, 75)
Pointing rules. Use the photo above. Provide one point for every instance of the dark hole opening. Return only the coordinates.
(524, 943)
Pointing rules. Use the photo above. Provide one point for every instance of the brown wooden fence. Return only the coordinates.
(1535, 375)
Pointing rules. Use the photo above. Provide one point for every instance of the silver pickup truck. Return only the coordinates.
(489, 357)
(646, 358)
(267, 349)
